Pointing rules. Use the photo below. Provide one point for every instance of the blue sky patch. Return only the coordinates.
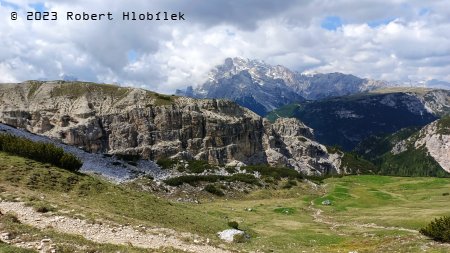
(380, 22)
(39, 7)
(424, 11)
(132, 55)
(9, 5)
(331, 23)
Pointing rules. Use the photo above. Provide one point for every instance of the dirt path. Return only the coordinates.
(102, 233)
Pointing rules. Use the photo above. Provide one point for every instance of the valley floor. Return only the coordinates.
(79, 213)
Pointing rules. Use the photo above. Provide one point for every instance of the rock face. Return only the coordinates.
(288, 142)
(263, 88)
(435, 137)
(117, 120)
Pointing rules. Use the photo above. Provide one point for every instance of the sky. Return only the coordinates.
(397, 40)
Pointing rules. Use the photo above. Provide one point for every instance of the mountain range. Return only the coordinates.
(263, 88)
(304, 112)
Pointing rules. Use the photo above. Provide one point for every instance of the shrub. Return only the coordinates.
(198, 166)
(43, 208)
(165, 163)
(289, 184)
(438, 230)
(246, 178)
(9, 218)
(214, 190)
(233, 224)
(231, 170)
(194, 179)
(38, 151)
(70, 162)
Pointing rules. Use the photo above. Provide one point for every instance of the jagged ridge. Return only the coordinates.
(263, 88)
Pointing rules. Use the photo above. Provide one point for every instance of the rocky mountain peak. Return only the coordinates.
(262, 87)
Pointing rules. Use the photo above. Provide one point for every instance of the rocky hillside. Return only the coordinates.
(263, 88)
(412, 152)
(346, 121)
(135, 122)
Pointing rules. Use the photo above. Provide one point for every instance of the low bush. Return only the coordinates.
(231, 170)
(194, 179)
(38, 151)
(198, 166)
(289, 184)
(246, 178)
(438, 230)
(214, 190)
(233, 224)
(166, 163)
(41, 208)
(9, 218)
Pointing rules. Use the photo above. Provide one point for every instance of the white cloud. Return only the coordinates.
(409, 40)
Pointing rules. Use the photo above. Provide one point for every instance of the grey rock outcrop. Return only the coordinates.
(288, 142)
(435, 137)
(118, 120)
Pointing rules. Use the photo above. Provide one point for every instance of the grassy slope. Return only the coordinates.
(77, 89)
(97, 199)
(279, 220)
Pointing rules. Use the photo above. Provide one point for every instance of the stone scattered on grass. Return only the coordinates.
(228, 235)
(326, 202)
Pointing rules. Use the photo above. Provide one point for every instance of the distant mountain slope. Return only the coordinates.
(320, 86)
(263, 88)
(346, 121)
(411, 152)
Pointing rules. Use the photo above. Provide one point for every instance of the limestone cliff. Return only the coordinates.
(437, 144)
(434, 139)
(119, 120)
(288, 142)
